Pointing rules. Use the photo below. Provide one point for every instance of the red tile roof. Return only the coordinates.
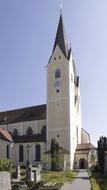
(5, 135)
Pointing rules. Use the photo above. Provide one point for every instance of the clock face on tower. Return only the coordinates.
(57, 83)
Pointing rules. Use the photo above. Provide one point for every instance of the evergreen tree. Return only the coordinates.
(102, 147)
(52, 153)
(55, 156)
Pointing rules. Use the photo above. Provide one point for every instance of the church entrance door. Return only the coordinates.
(82, 163)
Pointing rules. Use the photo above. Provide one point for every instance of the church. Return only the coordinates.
(33, 128)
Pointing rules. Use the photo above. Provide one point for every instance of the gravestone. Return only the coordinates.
(5, 182)
(33, 173)
(37, 174)
(28, 170)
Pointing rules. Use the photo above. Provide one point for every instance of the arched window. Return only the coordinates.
(8, 151)
(29, 131)
(21, 153)
(38, 152)
(57, 73)
(15, 132)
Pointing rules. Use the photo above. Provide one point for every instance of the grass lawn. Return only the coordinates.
(58, 177)
(98, 182)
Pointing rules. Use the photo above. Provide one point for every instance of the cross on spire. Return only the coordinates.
(60, 7)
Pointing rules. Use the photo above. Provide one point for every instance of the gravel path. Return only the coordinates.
(81, 182)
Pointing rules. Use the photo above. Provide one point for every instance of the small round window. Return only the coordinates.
(57, 73)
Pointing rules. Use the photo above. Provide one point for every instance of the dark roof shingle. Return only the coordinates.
(23, 114)
(61, 39)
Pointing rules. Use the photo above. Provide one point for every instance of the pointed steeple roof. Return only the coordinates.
(61, 40)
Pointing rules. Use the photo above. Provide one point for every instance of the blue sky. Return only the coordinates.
(27, 33)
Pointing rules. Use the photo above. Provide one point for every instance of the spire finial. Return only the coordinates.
(60, 7)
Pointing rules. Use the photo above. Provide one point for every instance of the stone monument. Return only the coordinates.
(5, 182)
(33, 173)
(18, 171)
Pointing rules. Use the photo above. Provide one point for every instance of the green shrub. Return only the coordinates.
(15, 186)
(95, 169)
(22, 172)
(30, 183)
(34, 186)
(5, 165)
(13, 172)
(23, 167)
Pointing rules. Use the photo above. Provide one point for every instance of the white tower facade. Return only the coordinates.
(63, 97)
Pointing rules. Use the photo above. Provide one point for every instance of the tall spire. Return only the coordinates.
(60, 39)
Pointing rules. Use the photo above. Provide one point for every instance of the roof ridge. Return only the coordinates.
(22, 108)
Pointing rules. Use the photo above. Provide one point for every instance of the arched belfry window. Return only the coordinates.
(38, 152)
(57, 73)
(29, 131)
(15, 132)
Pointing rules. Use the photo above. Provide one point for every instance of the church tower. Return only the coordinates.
(63, 96)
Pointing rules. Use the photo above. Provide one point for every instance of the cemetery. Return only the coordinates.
(29, 177)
